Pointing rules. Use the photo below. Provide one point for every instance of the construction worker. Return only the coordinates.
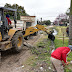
(67, 31)
(58, 58)
(9, 21)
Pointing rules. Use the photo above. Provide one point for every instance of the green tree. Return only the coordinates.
(8, 5)
(20, 10)
(47, 22)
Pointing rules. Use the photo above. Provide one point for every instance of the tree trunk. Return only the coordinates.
(70, 25)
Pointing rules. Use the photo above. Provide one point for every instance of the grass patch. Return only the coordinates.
(61, 30)
(45, 25)
(42, 50)
(59, 42)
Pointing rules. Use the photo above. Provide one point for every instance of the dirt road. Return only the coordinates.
(13, 62)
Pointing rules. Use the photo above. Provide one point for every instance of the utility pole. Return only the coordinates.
(70, 25)
(58, 22)
(41, 21)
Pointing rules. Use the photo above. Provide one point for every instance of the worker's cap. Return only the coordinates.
(7, 15)
(70, 46)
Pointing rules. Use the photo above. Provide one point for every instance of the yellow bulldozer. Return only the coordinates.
(9, 37)
(12, 37)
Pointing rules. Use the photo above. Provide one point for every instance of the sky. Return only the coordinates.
(45, 9)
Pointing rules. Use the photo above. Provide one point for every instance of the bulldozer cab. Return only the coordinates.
(4, 28)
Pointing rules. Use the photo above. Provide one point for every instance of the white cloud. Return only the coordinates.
(47, 9)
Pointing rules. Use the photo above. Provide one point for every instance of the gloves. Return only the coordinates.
(67, 63)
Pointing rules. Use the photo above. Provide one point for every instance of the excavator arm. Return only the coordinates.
(40, 27)
(50, 34)
(32, 30)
